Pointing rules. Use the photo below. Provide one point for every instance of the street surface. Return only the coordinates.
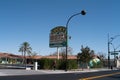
(102, 75)
(58, 75)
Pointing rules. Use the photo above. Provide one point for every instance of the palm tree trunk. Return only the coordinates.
(22, 57)
(25, 59)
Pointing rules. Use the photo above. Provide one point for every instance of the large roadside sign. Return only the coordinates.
(58, 37)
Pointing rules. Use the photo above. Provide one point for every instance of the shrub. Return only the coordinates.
(60, 64)
(45, 63)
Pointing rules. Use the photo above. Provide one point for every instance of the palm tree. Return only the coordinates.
(26, 50)
(21, 49)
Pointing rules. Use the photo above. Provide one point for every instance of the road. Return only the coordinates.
(101, 75)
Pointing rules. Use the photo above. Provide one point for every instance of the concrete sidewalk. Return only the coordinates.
(14, 72)
(75, 70)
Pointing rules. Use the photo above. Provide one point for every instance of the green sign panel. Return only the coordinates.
(114, 53)
(58, 37)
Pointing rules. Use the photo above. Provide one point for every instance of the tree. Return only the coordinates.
(62, 52)
(102, 57)
(85, 55)
(22, 50)
(70, 50)
(32, 56)
(26, 50)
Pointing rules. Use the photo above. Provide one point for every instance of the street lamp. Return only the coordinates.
(114, 52)
(82, 13)
(109, 42)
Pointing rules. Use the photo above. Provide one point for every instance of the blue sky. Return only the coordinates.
(32, 20)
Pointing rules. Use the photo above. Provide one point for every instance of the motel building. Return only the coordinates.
(8, 59)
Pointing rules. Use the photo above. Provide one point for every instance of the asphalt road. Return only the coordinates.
(102, 75)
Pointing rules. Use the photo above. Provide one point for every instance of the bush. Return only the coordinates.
(60, 64)
(72, 64)
(45, 63)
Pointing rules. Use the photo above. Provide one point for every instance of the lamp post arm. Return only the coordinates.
(67, 28)
(71, 18)
(112, 38)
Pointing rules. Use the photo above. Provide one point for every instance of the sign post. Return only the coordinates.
(58, 38)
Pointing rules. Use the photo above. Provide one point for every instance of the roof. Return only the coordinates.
(9, 55)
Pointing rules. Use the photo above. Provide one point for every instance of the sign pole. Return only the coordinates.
(58, 53)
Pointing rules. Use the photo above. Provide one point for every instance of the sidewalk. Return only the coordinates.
(11, 72)
(74, 71)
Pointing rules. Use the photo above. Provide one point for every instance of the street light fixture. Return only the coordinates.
(109, 53)
(82, 13)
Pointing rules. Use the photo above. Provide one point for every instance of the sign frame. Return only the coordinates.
(58, 37)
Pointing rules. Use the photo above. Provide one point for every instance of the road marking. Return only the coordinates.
(90, 78)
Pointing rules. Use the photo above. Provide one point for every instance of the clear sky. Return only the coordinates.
(32, 20)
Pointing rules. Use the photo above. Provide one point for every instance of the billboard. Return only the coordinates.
(58, 37)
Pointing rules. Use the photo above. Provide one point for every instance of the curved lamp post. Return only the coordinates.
(109, 53)
(82, 13)
(114, 52)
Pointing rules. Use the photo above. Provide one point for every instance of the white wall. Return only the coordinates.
(118, 63)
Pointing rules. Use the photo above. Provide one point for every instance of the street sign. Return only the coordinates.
(114, 53)
(58, 37)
